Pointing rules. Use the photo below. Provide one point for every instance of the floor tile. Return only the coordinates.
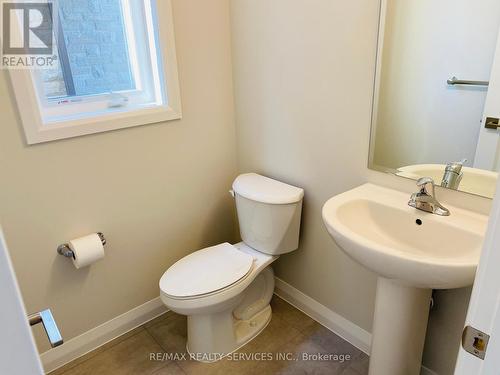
(170, 333)
(223, 367)
(330, 341)
(360, 364)
(299, 367)
(275, 335)
(350, 371)
(95, 352)
(296, 318)
(129, 357)
(304, 357)
(170, 369)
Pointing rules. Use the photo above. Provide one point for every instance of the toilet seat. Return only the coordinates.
(206, 271)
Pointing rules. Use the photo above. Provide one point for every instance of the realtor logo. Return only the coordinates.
(27, 28)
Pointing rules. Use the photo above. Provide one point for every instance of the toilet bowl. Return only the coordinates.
(225, 290)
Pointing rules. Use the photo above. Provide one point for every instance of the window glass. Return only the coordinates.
(108, 61)
(92, 49)
(53, 81)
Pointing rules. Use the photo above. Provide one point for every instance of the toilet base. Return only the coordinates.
(213, 336)
(226, 340)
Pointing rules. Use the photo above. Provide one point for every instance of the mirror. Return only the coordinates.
(434, 64)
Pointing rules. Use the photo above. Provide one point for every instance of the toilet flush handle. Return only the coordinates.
(232, 193)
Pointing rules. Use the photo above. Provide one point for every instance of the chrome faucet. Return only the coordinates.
(425, 201)
(453, 175)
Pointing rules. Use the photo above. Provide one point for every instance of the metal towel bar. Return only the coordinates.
(455, 81)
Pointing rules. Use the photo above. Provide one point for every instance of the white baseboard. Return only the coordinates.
(98, 336)
(339, 325)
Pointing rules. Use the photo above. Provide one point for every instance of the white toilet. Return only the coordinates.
(225, 290)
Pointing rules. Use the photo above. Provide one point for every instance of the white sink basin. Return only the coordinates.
(376, 227)
(413, 252)
(474, 181)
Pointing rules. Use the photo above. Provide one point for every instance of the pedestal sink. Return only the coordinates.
(413, 252)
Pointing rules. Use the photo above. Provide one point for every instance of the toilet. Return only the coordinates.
(225, 290)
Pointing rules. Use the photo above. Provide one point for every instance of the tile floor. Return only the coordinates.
(290, 331)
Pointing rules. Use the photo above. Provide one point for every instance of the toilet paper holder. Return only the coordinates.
(66, 251)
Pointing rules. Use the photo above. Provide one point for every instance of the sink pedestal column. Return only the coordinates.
(399, 326)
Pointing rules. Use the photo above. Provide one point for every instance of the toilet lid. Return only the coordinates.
(206, 271)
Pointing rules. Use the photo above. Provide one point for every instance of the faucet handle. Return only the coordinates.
(424, 201)
(422, 184)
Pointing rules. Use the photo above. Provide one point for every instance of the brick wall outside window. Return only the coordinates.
(96, 49)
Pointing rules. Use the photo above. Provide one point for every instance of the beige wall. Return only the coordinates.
(157, 192)
(304, 73)
(303, 78)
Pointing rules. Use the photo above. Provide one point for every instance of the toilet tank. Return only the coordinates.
(268, 213)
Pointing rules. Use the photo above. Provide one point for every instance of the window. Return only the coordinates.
(114, 67)
(93, 51)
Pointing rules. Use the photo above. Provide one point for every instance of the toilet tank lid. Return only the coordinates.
(266, 190)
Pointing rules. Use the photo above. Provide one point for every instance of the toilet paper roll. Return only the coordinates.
(86, 250)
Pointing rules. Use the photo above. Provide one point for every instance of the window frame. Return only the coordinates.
(31, 113)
